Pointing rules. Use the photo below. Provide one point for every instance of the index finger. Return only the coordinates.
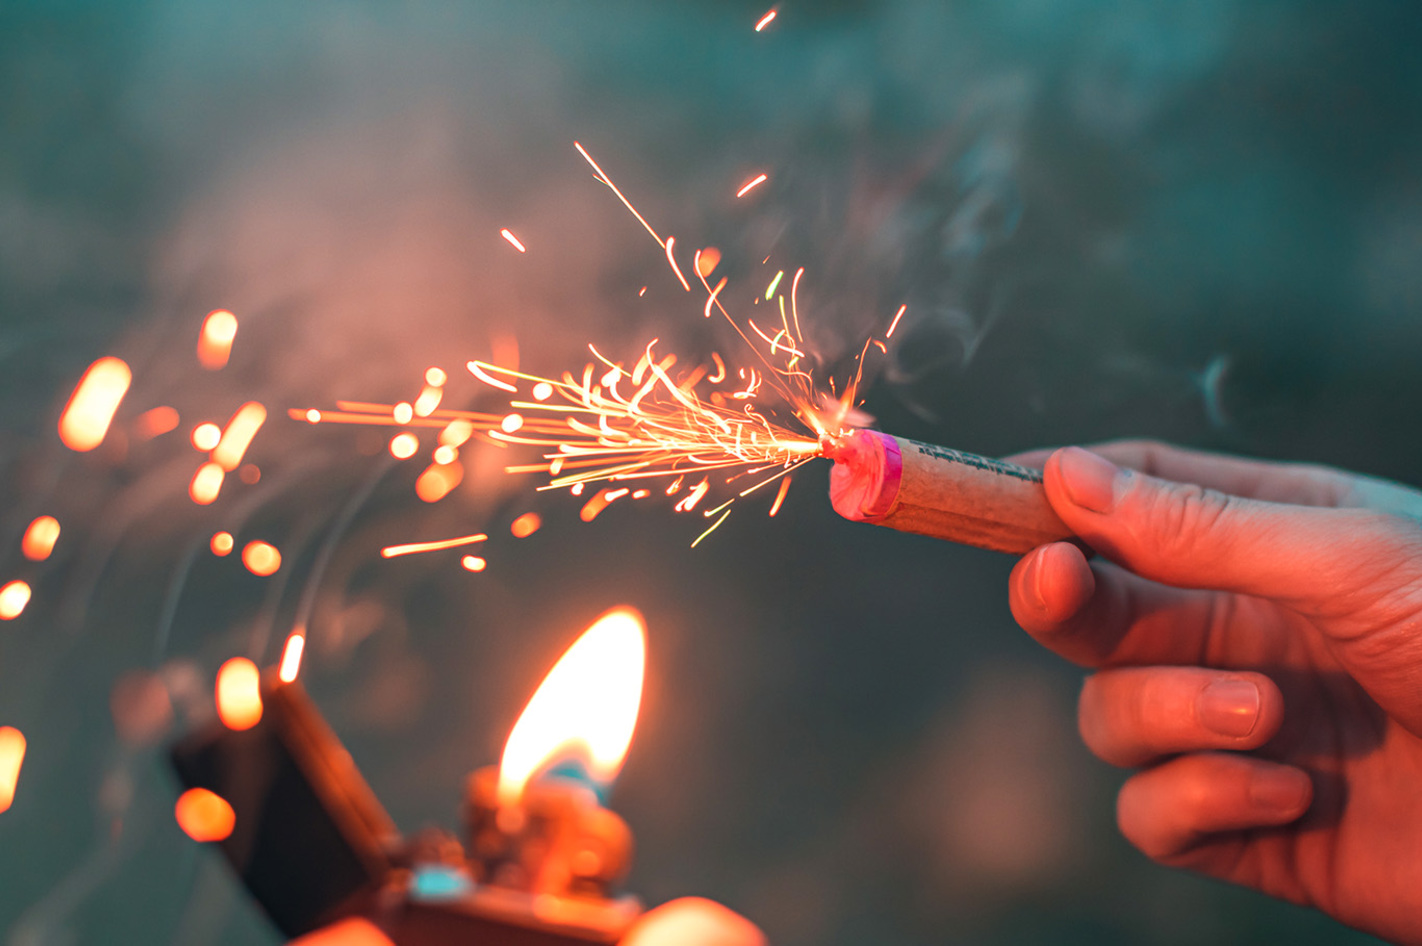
(1302, 484)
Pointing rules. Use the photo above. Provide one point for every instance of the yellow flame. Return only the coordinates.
(586, 706)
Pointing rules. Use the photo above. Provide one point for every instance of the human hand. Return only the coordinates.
(1257, 639)
(690, 921)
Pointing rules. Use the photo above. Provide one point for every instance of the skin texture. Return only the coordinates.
(690, 921)
(1256, 635)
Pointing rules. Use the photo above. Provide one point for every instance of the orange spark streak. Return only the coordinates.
(671, 258)
(620, 196)
(261, 558)
(155, 422)
(13, 598)
(513, 240)
(206, 484)
(525, 525)
(39, 538)
(780, 496)
(765, 21)
(895, 323)
(92, 406)
(477, 370)
(391, 551)
(12, 757)
(755, 181)
(204, 816)
(238, 435)
(711, 300)
(593, 507)
(215, 341)
(238, 694)
(291, 657)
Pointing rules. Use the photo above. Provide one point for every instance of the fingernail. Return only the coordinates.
(1033, 582)
(1280, 790)
(1090, 480)
(1229, 707)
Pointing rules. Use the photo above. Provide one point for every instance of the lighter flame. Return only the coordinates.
(586, 706)
(91, 408)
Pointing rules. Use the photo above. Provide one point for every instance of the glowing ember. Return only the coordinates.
(215, 341)
(780, 496)
(13, 598)
(435, 377)
(239, 694)
(261, 558)
(754, 182)
(91, 407)
(155, 423)
(392, 551)
(473, 563)
(238, 435)
(765, 20)
(707, 261)
(204, 815)
(39, 538)
(206, 484)
(513, 240)
(12, 757)
(291, 657)
(222, 543)
(404, 446)
(206, 436)
(438, 480)
(585, 708)
(594, 507)
(895, 323)
(525, 525)
(428, 400)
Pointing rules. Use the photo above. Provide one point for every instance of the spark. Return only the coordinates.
(895, 323)
(155, 422)
(507, 234)
(403, 412)
(428, 400)
(780, 496)
(477, 370)
(261, 558)
(239, 694)
(438, 480)
(206, 436)
(445, 454)
(542, 391)
(92, 406)
(206, 484)
(13, 598)
(765, 20)
(238, 434)
(774, 285)
(707, 260)
(525, 525)
(204, 815)
(403, 446)
(754, 182)
(435, 377)
(39, 538)
(215, 341)
(511, 424)
(222, 543)
(671, 258)
(291, 657)
(473, 563)
(411, 548)
(12, 757)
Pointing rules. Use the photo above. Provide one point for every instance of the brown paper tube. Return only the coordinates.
(931, 490)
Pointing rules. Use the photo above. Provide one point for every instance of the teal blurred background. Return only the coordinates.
(1194, 221)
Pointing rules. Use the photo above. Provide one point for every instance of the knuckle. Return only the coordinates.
(1178, 516)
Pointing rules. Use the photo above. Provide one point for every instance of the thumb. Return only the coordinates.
(1355, 570)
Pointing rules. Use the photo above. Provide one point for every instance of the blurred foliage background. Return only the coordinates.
(1193, 221)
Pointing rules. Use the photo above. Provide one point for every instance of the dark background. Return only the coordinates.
(1194, 221)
